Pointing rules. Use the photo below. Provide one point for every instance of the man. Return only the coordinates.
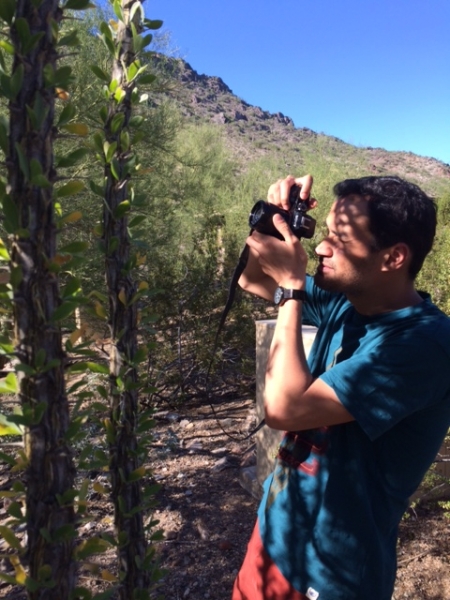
(367, 413)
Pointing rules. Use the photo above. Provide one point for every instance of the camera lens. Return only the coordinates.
(258, 212)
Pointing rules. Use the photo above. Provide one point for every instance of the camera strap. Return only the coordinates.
(239, 269)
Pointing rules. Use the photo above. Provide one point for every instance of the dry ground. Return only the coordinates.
(207, 516)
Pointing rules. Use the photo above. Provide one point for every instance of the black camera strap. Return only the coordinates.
(239, 269)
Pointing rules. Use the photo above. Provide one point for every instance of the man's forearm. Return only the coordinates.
(287, 374)
(255, 281)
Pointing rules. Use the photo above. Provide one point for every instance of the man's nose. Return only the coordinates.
(324, 248)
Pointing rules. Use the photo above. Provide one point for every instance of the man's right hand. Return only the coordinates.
(278, 193)
(253, 279)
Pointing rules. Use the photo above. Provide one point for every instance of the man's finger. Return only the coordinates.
(282, 226)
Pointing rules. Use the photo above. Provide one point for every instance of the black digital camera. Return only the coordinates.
(302, 225)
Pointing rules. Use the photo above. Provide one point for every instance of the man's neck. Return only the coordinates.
(385, 301)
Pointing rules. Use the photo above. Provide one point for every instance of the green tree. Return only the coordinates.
(29, 218)
(125, 44)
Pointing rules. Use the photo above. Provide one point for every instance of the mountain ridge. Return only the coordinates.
(252, 131)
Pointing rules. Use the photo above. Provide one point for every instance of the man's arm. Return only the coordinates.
(293, 399)
(255, 281)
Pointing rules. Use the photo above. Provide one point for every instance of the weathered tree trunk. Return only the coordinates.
(123, 322)
(50, 472)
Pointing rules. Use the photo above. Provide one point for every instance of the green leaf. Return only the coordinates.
(94, 545)
(7, 459)
(74, 248)
(109, 44)
(97, 189)
(23, 163)
(100, 73)
(64, 310)
(7, 47)
(7, 10)
(115, 168)
(23, 31)
(27, 41)
(72, 158)
(119, 95)
(109, 150)
(27, 369)
(136, 221)
(71, 188)
(117, 122)
(72, 288)
(98, 140)
(118, 10)
(89, 366)
(10, 538)
(70, 39)
(72, 217)
(78, 4)
(153, 23)
(16, 80)
(5, 87)
(8, 385)
(8, 427)
(106, 31)
(137, 474)
(137, 6)
(123, 208)
(146, 79)
(4, 140)
(39, 112)
(37, 177)
(11, 213)
(64, 533)
(80, 129)
(63, 77)
(136, 121)
(80, 593)
(15, 510)
(67, 114)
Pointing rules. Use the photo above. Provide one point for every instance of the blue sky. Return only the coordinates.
(372, 73)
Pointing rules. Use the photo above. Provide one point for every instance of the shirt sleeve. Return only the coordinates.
(381, 387)
(317, 303)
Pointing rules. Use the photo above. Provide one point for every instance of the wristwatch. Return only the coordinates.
(282, 294)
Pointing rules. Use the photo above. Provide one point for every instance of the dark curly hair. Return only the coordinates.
(399, 211)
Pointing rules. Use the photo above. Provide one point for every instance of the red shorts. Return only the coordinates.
(259, 578)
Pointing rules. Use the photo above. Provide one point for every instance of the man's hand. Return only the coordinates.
(284, 262)
(278, 193)
(273, 262)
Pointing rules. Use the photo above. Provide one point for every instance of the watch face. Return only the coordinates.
(279, 295)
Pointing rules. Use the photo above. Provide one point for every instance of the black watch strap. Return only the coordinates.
(282, 295)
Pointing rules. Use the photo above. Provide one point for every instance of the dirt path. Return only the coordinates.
(207, 516)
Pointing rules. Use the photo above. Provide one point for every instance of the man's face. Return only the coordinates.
(349, 262)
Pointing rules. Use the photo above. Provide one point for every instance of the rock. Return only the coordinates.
(218, 451)
(249, 481)
(223, 463)
(203, 531)
(172, 417)
(194, 446)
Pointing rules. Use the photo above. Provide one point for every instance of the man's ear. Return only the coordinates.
(396, 257)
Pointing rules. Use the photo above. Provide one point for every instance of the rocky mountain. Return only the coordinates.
(251, 132)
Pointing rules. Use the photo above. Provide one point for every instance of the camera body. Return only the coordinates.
(302, 225)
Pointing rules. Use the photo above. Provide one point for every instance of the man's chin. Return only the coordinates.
(324, 283)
